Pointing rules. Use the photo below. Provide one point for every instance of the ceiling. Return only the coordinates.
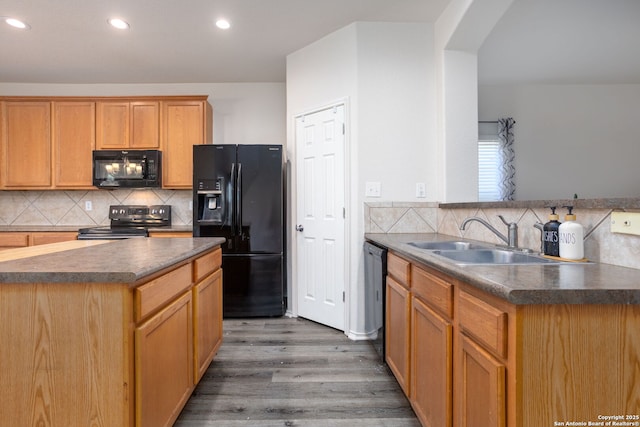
(173, 41)
(564, 42)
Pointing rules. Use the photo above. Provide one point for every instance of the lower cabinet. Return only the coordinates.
(448, 349)
(431, 362)
(207, 297)
(398, 321)
(19, 239)
(477, 360)
(164, 364)
(482, 388)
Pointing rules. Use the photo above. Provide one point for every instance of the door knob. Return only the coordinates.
(299, 227)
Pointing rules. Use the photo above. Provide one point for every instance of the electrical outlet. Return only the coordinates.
(372, 189)
(625, 222)
(88, 205)
(421, 190)
(190, 205)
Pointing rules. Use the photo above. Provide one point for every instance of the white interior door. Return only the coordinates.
(320, 216)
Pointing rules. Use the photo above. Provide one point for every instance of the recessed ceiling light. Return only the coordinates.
(118, 23)
(16, 23)
(223, 24)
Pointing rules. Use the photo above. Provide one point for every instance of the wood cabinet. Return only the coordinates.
(108, 353)
(431, 348)
(479, 360)
(10, 240)
(170, 233)
(20, 239)
(164, 364)
(126, 125)
(25, 144)
(207, 297)
(398, 319)
(46, 143)
(185, 123)
(73, 140)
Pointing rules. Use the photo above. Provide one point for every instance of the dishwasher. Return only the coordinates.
(375, 273)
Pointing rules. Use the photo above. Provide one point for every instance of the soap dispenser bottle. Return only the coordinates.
(550, 241)
(571, 237)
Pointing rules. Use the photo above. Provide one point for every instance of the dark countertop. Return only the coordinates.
(566, 283)
(109, 261)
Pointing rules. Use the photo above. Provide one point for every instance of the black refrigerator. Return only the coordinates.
(238, 194)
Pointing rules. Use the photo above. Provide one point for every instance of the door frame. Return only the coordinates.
(292, 308)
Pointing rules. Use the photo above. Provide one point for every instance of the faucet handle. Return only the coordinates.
(504, 221)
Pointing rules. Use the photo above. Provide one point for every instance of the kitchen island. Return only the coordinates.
(511, 345)
(107, 333)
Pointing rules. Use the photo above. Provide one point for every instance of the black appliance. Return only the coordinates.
(127, 169)
(238, 194)
(375, 274)
(129, 221)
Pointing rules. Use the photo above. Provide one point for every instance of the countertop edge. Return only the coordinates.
(130, 262)
(494, 279)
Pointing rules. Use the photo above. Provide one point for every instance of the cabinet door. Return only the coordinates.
(164, 364)
(431, 366)
(45, 237)
(74, 138)
(397, 329)
(26, 145)
(10, 240)
(183, 127)
(112, 125)
(145, 125)
(481, 393)
(207, 314)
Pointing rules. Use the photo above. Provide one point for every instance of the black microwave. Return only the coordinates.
(127, 168)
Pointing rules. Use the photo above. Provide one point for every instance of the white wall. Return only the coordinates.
(243, 113)
(570, 139)
(385, 72)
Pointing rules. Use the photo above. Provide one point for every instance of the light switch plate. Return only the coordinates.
(421, 190)
(625, 222)
(372, 189)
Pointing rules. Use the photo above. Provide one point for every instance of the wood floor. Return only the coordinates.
(293, 372)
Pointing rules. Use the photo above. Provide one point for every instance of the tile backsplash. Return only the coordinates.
(600, 244)
(68, 208)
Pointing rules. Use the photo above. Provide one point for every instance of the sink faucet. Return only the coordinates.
(512, 241)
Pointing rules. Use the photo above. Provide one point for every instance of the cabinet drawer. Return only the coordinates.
(399, 269)
(484, 322)
(155, 294)
(434, 291)
(207, 264)
(14, 240)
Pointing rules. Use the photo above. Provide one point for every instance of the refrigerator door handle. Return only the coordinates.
(239, 200)
(232, 211)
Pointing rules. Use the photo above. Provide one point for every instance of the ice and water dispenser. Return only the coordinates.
(210, 201)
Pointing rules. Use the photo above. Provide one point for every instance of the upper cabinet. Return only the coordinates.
(73, 140)
(25, 144)
(47, 143)
(185, 123)
(126, 125)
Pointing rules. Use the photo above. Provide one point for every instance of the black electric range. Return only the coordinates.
(129, 221)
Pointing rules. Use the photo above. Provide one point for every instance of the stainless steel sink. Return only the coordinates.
(447, 245)
(492, 256)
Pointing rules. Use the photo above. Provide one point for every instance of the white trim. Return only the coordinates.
(293, 303)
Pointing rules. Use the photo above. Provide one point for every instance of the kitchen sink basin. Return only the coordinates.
(447, 245)
(492, 256)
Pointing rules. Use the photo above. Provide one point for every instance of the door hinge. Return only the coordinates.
(343, 129)
(344, 213)
(342, 296)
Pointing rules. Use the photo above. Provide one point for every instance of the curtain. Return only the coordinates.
(507, 184)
